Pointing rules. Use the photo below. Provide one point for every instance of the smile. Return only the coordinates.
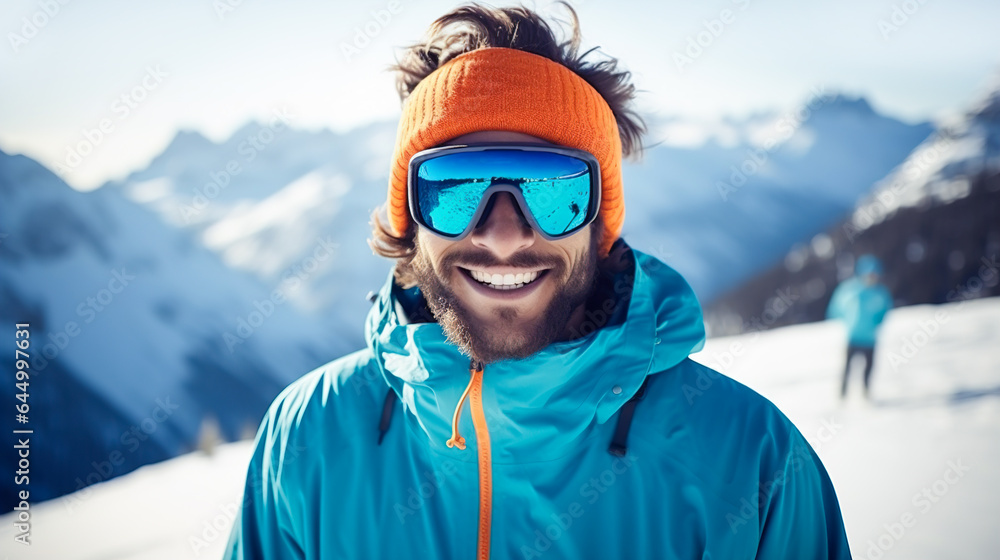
(504, 281)
(507, 281)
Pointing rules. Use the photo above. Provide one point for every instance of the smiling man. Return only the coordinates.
(502, 290)
(526, 390)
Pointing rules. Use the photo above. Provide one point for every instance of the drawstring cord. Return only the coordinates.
(387, 406)
(619, 442)
(475, 372)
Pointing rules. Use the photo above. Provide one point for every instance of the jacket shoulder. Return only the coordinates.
(741, 448)
(713, 417)
(328, 398)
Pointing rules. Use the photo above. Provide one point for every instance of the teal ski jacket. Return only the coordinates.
(861, 307)
(611, 445)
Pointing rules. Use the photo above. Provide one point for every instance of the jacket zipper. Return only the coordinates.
(475, 393)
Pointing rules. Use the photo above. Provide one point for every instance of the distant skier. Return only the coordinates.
(861, 302)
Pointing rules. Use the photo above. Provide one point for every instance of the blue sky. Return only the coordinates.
(212, 65)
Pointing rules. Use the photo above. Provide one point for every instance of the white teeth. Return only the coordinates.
(508, 281)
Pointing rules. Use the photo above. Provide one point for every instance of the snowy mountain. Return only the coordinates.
(265, 197)
(299, 185)
(934, 221)
(729, 208)
(937, 410)
(139, 335)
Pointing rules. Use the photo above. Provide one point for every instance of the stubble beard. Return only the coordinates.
(506, 335)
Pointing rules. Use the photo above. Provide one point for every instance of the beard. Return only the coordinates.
(507, 334)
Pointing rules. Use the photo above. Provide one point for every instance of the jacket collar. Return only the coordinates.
(539, 406)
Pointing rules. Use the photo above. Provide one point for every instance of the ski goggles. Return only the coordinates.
(450, 188)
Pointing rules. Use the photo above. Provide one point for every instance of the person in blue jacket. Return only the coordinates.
(861, 303)
(526, 390)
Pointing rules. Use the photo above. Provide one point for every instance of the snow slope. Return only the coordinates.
(936, 405)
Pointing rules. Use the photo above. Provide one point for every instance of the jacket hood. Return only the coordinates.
(540, 406)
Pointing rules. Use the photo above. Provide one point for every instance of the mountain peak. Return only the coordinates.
(251, 128)
(185, 139)
(844, 102)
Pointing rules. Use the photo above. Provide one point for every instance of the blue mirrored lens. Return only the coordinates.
(556, 187)
(558, 205)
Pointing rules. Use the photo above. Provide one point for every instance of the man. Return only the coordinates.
(526, 391)
(861, 302)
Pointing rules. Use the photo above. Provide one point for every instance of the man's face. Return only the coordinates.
(491, 323)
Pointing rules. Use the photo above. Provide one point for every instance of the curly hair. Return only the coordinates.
(476, 26)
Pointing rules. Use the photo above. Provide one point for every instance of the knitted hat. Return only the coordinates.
(498, 88)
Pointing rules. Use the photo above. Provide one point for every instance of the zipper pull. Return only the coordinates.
(456, 440)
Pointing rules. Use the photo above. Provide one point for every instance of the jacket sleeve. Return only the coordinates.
(263, 524)
(803, 518)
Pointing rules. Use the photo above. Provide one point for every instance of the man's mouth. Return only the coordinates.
(504, 280)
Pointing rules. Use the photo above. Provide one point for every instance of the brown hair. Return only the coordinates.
(517, 28)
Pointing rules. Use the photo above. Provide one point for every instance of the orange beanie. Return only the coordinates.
(499, 88)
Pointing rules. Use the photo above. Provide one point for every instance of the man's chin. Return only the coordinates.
(503, 335)
(504, 314)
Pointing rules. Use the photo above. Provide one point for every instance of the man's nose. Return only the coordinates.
(505, 231)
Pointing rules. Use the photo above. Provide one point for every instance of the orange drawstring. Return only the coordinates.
(456, 439)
